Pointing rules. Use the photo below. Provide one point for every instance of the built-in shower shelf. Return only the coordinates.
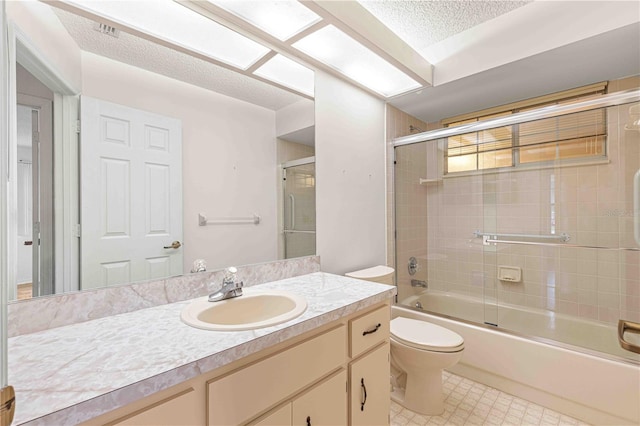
(428, 181)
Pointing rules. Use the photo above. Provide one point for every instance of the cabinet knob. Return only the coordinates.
(308, 420)
(364, 394)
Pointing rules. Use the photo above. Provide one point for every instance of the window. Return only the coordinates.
(580, 135)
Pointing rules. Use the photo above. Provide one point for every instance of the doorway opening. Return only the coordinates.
(35, 190)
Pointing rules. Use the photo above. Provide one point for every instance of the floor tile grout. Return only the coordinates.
(471, 403)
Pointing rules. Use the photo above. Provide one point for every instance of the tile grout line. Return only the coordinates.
(471, 403)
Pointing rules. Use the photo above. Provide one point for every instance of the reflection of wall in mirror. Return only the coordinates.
(47, 35)
(228, 145)
(228, 158)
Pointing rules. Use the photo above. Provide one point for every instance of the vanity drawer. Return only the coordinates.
(369, 329)
(243, 394)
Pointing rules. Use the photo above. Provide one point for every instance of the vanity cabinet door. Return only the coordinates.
(181, 409)
(240, 396)
(369, 330)
(323, 405)
(279, 417)
(370, 390)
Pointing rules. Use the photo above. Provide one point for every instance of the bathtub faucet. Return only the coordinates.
(419, 283)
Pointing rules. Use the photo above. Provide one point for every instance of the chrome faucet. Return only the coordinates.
(230, 287)
(419, 283)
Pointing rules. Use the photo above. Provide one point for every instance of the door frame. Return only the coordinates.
(65, 141)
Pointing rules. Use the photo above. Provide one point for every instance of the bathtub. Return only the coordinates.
(583, 385)
(543, 324)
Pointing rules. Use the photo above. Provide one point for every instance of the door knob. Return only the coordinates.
(174, 245)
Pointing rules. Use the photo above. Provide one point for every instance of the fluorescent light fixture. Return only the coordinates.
(174, 23)
(332, 47)
(286, 72)
(282, 19)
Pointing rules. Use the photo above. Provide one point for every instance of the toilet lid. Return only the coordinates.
(369, 273)
(424, 335)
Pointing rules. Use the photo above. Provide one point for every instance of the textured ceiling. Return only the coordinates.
(423, 23)
(144, 54)
(572, 65)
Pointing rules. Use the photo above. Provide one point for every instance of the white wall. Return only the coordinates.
(229, 159)
(39, 27)
(294, 117)
(350, 176)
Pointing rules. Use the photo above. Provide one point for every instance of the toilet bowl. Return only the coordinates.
(419, 352)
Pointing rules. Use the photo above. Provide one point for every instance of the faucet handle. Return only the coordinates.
(230, 275)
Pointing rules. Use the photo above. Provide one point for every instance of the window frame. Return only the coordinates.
(577, 94)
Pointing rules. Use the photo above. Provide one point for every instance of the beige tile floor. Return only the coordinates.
(470, 403)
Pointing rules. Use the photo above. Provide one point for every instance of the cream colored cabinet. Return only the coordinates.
(177, 410)
(318, 378)
(240, 396)
(370, 398)
(369, 330)
(278, 417)
(324, 404)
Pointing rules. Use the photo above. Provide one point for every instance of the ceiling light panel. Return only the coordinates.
(332, 47)
(282, 19)
(169, 21)
(288, 73)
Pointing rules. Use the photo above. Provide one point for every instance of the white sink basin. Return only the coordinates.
(254, 309)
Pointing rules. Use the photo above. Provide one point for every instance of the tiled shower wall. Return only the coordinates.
(591, 203)
(399, 124)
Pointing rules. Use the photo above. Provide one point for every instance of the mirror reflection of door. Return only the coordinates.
(35, 272)
(299, 184)
(131, 190)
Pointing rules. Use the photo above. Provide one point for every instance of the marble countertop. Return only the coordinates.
(71, 374)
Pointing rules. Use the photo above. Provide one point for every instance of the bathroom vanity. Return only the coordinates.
(328, 366)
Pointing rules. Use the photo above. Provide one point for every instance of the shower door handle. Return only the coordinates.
(636, 207)
(293, 211)
(632, 327)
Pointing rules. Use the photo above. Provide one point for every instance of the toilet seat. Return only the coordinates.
(425, 336)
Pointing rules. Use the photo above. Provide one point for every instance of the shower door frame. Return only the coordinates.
(610, 100)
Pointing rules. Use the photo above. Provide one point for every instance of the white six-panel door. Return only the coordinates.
(131, 194)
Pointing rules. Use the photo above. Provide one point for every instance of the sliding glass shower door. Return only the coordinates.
(531, 226)
(299, 208)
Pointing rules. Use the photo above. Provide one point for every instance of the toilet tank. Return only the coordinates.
(379, 274)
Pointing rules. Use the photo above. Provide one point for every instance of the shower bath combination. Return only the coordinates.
(475, 202)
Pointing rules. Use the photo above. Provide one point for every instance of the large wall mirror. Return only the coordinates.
(134, 159)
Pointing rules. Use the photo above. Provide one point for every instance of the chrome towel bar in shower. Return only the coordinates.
(562, 237)
(534, 243)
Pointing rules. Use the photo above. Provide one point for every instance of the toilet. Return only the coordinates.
(419, 352)
(378, 274)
